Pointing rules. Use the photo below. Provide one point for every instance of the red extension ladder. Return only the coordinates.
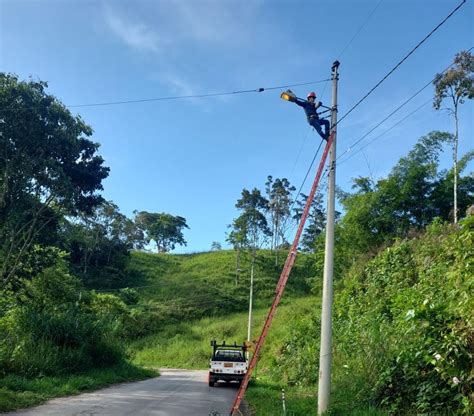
(290, 260)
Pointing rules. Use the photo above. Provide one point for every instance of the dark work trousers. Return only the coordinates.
(317, 123)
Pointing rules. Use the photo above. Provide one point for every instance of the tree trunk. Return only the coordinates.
(237, 267)
(21, 241)
(277, 230)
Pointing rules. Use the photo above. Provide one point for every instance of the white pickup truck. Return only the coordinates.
(228, 363)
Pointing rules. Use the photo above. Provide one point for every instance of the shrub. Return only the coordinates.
(53, 329)
(297, 361)
(405, 323)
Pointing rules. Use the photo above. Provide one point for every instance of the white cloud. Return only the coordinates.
(170, 30)
(177, 84)
(135, 34)
(181, 22)
(217, 21)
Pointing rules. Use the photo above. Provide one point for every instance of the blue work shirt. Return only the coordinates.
(309, 108)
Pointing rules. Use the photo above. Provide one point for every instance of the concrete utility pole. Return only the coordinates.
(249, 328)
(326, 314)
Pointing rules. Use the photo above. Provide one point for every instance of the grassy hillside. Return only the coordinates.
(402, 327)
(185, 343)
(173, 288)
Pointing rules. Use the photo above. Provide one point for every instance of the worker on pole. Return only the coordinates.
(310, 106)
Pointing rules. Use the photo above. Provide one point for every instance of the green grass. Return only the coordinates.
(265, 399)
(209, 276)
(203, 280)
(18, 392)
(187, 345)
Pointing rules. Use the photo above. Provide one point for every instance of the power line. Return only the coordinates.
(301, 149)
(401, 62)
(352, 39)
(301, 187)
(388, 74)
(396, 110)
(383, 79)
(306, 176)
(181, 282)
(10, 107)
(159, 307)
(191, 302)
(385, 132)
(322, 94)
(180, 97)
(383, 121)
(166, 284)
(360, 29)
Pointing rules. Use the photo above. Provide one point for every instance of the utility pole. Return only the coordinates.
(249, 329)
(326, 314)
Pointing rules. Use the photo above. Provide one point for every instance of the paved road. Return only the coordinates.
(176, 392)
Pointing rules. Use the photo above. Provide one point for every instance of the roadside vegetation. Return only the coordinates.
(402, 334)
(83, 305)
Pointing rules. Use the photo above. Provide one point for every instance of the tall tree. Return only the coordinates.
(442, 194)
(216, 246)
(316, 223)
(455, 85)
(48, 168)
(164, 229)
(279, 193)
(238, 238)
(253, 207)
(99, 244)
(254, 231)
(412, 195)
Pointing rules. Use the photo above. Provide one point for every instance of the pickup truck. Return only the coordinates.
(228, 362)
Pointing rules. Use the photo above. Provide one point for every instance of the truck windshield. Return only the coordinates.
(229, 355)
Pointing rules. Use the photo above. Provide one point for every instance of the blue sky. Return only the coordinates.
(193, 157)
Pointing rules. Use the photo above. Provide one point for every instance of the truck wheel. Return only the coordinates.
(211, 383)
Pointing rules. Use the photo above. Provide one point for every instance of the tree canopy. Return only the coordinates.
(455, 85)
(48, 168)
(252, 221)
(279, 201)
(413, 194)
(164, 229)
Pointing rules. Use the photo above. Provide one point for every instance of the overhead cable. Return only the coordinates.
(401, 62)
(383, 79)
(182, 282)
(383, 133)
(302, 184)
(306, 176)
(352, 39)
(301, 149)
(395, 110)
(322, 94)
(180, 97)
(360, 29)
